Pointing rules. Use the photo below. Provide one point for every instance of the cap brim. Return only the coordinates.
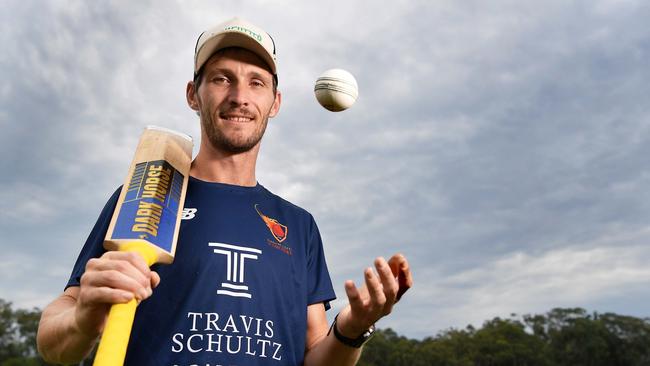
(232, 39)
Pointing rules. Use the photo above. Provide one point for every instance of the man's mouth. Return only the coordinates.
(236, 117)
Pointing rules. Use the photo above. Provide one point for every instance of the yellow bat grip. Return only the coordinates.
(117, 331)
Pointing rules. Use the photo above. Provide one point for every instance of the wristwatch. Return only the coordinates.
(352, 342)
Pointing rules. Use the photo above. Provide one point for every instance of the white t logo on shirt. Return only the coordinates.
(235, 282)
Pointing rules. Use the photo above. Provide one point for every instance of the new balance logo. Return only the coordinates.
(237, 256)
(188, 213)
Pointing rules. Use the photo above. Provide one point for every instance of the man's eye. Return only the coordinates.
(220, 80)
(257, 83)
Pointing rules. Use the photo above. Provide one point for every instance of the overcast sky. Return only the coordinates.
(503, 146)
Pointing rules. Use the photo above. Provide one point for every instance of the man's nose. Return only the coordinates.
(238, 94)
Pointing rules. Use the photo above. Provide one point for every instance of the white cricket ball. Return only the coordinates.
(336, 90)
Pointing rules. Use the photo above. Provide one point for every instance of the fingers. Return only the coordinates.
(356, 317)
(94, 296)
(117, 277)
(388, 282)
(155, 279)
(125, 271)
(401, 270)
(113, 278)
(135, 259)
(376, 292)
(354, 296)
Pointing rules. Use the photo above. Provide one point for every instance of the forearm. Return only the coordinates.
(59, 338)
(330, 351)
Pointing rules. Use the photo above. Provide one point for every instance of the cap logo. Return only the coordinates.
(247, 31)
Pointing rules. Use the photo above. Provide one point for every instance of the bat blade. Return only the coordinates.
(151, 201)
(146, 220)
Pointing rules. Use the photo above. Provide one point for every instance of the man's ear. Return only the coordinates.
(191, 96)
(275, 108)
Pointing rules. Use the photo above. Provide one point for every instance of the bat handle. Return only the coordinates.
(117, 331)
(112, 347)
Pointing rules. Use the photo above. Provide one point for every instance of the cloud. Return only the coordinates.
(521, 283)
(30, 203)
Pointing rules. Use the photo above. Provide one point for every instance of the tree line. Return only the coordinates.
(562, 336)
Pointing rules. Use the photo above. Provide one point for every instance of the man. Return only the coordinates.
(249, 284)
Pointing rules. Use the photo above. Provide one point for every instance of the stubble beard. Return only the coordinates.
(230, 144)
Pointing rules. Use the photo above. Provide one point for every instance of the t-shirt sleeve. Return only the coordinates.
(94, 246)
(319, 281)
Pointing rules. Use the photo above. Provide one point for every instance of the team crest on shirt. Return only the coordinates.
(278, 230)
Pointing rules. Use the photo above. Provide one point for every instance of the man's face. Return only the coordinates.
(235, 99)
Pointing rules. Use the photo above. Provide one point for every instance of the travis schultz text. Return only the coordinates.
(232, 334)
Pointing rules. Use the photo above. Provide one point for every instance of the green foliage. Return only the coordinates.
(505, 342)
(560, 337)
(18, 336)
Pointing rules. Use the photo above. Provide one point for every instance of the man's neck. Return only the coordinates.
(236, 169)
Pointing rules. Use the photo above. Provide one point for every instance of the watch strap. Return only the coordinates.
(352, 342)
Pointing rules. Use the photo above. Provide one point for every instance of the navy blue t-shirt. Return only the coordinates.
(247, 265)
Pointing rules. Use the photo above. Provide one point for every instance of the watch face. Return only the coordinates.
(369, 332)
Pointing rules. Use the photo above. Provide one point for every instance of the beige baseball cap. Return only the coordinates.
(235, 32)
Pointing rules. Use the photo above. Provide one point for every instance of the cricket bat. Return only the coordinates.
(146, 220)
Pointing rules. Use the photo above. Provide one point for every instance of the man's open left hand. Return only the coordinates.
(377, 297)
